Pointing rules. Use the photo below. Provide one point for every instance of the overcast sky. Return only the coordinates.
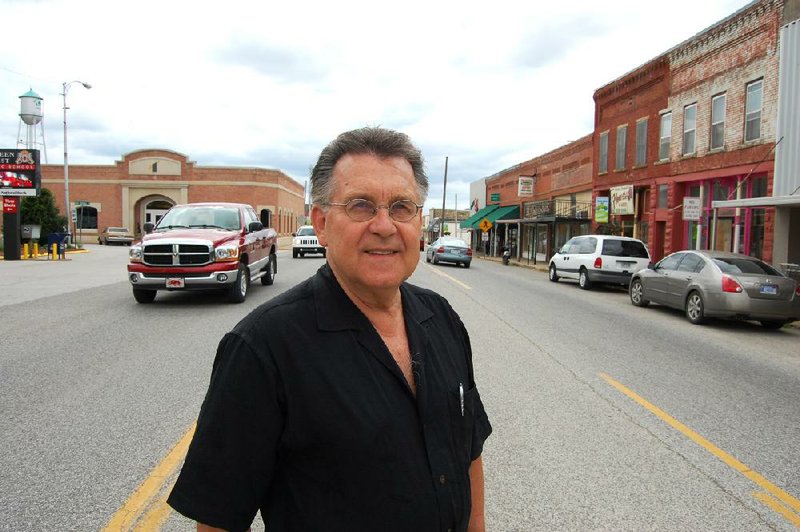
(255, 83)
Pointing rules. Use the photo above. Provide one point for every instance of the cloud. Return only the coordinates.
(279, 62)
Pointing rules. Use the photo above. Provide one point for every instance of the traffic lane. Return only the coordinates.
(96, 389)
(585, 348)
(564, 457)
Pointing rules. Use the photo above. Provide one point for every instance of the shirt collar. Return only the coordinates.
(336, 312)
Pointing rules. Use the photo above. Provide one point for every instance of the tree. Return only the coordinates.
(42, 210)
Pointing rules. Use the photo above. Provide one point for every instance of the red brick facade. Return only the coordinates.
(148, 181)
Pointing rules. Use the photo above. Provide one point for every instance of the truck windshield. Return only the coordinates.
(204, 217)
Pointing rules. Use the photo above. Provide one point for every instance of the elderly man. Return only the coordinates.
(349, 401)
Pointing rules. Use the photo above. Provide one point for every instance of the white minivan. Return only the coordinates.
(599, 259)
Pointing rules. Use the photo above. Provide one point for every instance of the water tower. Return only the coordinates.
(31, 115)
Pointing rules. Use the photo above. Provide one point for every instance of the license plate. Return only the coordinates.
(175, 282)
(625, 263)
(770, 289)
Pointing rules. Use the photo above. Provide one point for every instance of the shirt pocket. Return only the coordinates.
(462, 406)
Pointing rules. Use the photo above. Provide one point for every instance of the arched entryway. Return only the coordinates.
(150, 209)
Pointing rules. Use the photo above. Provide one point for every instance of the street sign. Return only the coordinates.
(74, 215)
(495, 196)
(485, 225)
(81, 203)
(9, 204)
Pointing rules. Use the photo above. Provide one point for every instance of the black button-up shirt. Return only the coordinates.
(309, 419)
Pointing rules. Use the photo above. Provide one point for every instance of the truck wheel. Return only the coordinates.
(269, 274)
(238, 290)
(294, 253)
(144, 296)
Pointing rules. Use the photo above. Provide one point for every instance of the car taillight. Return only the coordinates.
(729, 284)
(598, 262)
(797, 290)
(440, 250)
(469, 254)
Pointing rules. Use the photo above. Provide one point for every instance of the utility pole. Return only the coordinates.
(444, 198)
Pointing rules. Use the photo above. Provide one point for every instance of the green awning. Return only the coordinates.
(478, 216)
(504, 213)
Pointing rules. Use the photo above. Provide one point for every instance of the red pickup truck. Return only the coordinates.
(202, 246)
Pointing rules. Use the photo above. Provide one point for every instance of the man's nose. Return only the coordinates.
(382, 223)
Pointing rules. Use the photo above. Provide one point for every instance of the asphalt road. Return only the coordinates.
(96, 390)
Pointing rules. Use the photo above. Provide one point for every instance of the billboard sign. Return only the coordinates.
(622, 200)
(525, 186)
(601, 210)
(20, 174)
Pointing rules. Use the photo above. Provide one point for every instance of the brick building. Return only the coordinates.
(703, 117)
(142, 185)
(536, 204)
(683, 151)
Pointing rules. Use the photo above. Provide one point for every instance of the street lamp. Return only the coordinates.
(68, 211)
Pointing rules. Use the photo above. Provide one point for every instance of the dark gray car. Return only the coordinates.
(720, 284)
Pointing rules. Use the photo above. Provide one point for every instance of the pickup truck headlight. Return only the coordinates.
(226, 254)
(135, 254)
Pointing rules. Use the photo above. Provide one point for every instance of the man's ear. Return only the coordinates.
(318, 220)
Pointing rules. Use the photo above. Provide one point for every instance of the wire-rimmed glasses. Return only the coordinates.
(362, 210)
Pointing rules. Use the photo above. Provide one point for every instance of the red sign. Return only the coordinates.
(9, 205)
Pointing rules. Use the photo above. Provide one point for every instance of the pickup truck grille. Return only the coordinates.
(177, 254)
(308, 242)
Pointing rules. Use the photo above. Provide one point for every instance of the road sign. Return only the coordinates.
(81, 203)
(74, 215)
(485, 225)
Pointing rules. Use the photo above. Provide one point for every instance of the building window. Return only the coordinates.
(622, 144)
(85, 218)
(641, 142)
(663, 196)
(664, 136)
(753, 103)
(602, 165)
(689, 128)
(717, 121)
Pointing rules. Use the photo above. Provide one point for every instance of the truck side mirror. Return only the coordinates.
(148, 227)
(255, 226)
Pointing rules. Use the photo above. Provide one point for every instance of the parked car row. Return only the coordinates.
(702, 283)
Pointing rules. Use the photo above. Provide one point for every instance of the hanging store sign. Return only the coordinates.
(19, 172)
(495, 196)
(622, 200)
(601, 209)
(691, 208)
(525, 186)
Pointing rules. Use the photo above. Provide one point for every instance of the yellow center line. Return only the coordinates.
(148, 504)
(725, 457)
(437, 272)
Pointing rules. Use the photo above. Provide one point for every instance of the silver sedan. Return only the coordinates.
(449, 249)
(707, 284)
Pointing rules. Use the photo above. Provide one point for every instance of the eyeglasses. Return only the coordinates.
(361, 210)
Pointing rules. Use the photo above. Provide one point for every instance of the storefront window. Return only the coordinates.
(756, 248)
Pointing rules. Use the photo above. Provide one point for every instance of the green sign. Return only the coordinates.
(81, 203)
(495, 196)
(601, 209)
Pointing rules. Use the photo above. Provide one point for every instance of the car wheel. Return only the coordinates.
(773, 324)
(144, 296)
(695, 312)
(294, 253)
(99, 241)
(238, 290)
(466, 264)
(583, 279)
(553, 273)
(427, 258)
(636, 292)
(269, 274)
(435, 259)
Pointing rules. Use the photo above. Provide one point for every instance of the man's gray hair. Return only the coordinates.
(381, 142)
